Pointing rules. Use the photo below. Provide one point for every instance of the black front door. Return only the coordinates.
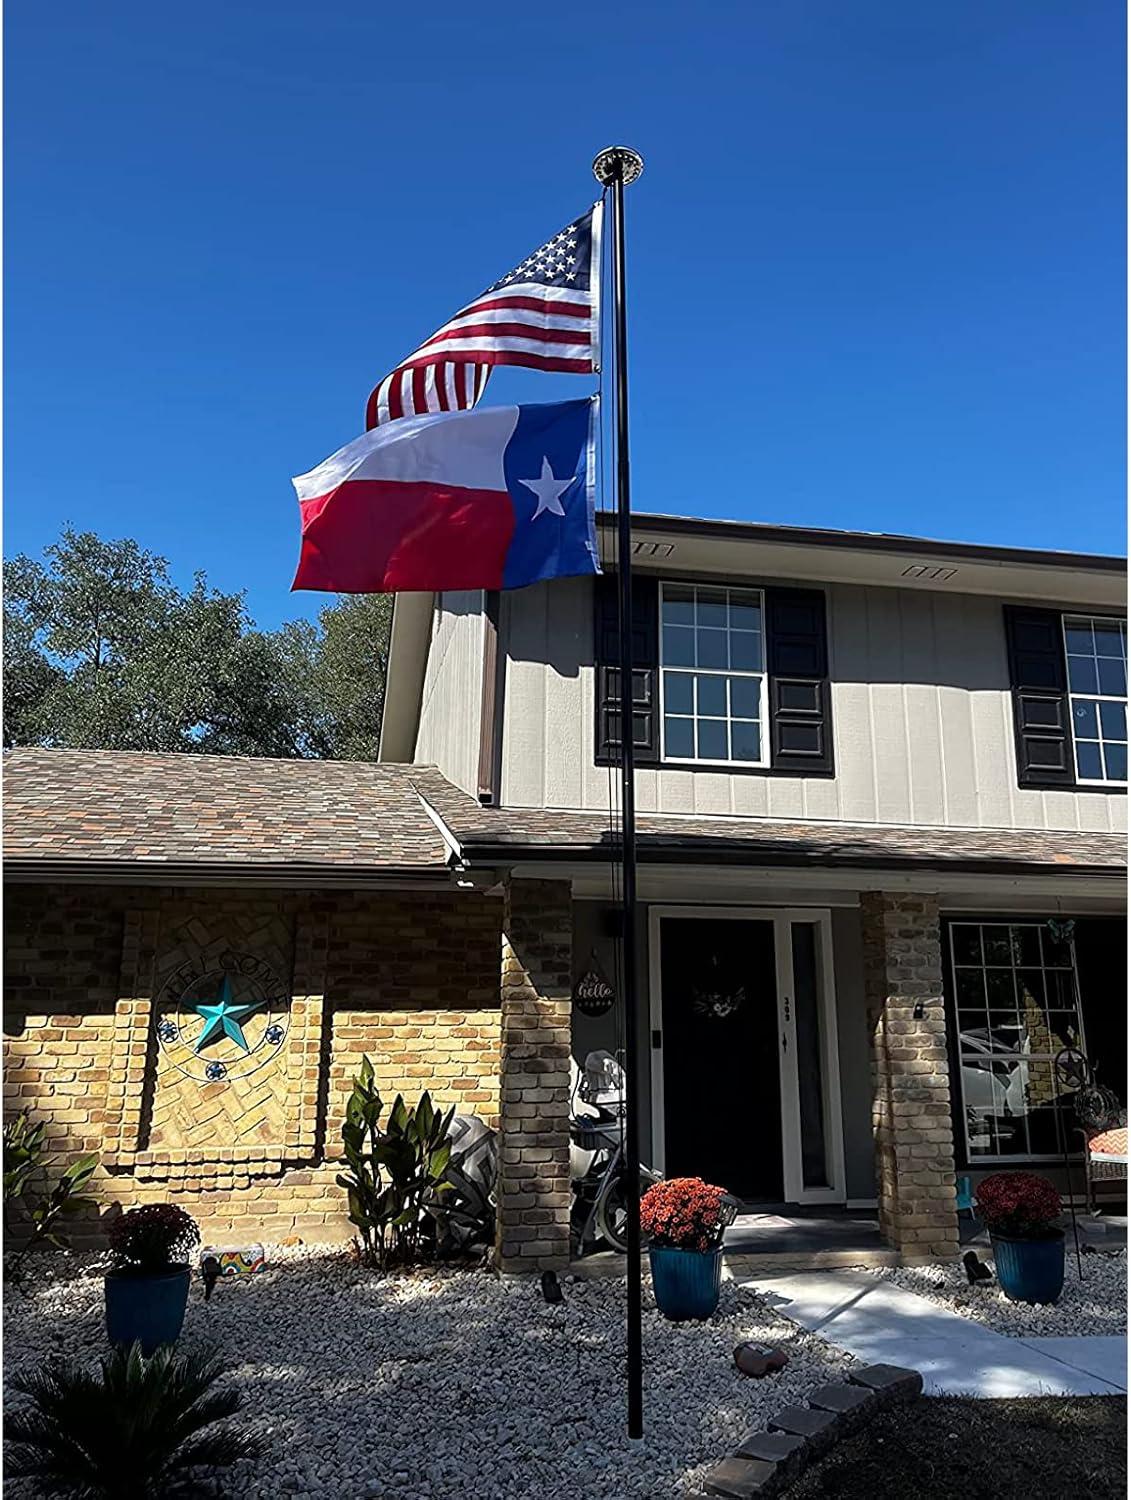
(722, 1085)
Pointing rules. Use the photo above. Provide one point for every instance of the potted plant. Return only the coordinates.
(683, 1219)
(1022, 1213)
(147, 1288)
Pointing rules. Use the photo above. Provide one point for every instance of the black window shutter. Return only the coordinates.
(801, 728)
(645, 662)
(1039, 679)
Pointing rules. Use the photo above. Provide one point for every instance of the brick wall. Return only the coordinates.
(911, 1112)
(453, 1054)
(410, 978)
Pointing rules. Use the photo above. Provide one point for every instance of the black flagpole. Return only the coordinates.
(615, 168)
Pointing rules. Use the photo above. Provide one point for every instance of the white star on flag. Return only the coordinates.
(548, 489)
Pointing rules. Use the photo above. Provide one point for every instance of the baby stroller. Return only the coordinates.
(596, 1154)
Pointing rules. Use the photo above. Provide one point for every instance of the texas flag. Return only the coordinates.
(493, 498)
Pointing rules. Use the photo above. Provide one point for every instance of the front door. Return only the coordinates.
(722, 1083)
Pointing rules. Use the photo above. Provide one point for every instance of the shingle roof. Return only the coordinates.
(206, 810)
(68, 808)
(486, 833)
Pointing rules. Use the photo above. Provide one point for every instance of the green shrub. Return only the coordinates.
(42, 1212)
(394, 1173)
(133, 1429)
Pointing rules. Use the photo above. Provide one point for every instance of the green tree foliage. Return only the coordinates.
(338, 670)
(103, 651)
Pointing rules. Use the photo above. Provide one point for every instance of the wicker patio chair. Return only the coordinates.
(1103, 1124)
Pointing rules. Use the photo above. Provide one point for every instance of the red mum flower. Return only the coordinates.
(1018, 1205)
(684, 1213)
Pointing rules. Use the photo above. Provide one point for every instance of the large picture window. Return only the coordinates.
(1097, 685)
(713, 674)
(1016, 1003)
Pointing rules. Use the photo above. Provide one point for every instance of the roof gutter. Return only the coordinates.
(297, 876)
(737, 854)
(867, 541)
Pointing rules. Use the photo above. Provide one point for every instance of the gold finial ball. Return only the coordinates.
(617, 160)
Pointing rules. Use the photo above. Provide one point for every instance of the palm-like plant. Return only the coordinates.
(131, 1430)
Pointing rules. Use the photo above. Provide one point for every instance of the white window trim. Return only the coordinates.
(763, 764)
(976, 1161)
(1092, 697)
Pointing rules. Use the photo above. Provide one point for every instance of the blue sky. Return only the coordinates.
(876, 258)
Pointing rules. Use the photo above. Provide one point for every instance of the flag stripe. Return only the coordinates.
(497, 332)
(533, 295)
(375, 536)
(495, 316)
(472, 352)
(513, 302)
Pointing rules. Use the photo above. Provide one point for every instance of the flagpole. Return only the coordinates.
(615, 168)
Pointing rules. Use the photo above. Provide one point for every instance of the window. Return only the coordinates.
(713, 674)
(1016, 1002)
(1097, 685)
(736, 677)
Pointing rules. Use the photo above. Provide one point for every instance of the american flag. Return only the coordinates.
(543, 314)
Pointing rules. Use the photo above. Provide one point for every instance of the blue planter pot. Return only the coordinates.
(686, 1282)
(149, 1309)
(1029, 1270)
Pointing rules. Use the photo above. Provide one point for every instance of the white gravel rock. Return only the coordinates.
(433, 1384)
(1095, 1305)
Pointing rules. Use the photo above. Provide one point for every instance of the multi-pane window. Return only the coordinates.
(1097, 687)
(1017, 1006)
(713, 680)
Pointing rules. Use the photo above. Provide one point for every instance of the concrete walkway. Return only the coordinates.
(883, 1324)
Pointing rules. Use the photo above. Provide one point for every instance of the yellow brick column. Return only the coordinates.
(534, 1188)
(911, 1109)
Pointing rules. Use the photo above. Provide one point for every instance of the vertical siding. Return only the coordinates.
(957, 643)
(882, 669)
(451, 702)
(922, 721)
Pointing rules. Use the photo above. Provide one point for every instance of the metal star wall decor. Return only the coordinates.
(219, 1020)
(222, 1016)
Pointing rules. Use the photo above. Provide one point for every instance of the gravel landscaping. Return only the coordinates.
(436, 1384)
(1096, 1305)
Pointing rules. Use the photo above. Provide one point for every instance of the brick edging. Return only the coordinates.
(768, 1463)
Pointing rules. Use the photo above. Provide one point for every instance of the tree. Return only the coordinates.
(337, 672)
(103, 651)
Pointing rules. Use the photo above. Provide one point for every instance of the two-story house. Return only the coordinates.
(881, 814)
(881, 797)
